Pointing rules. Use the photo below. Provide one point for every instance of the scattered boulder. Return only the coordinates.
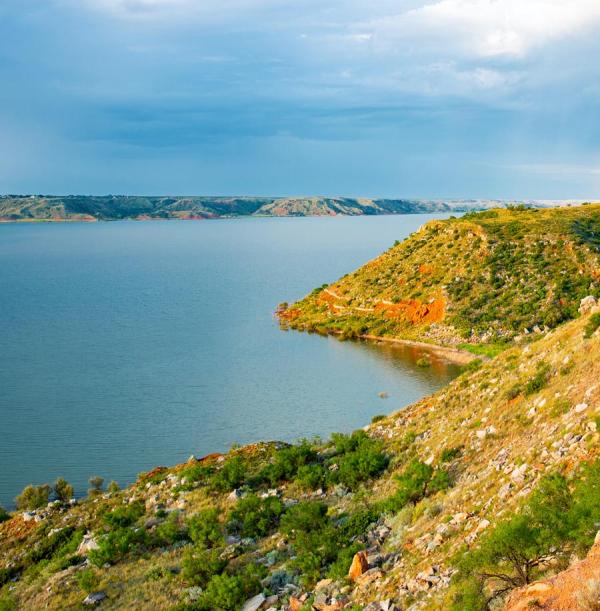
(588, 304)
(359, 566)
(94, 598)
(369, 576)
(88, 544)
(254, 603)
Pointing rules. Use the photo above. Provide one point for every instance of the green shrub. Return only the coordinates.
(127, 515)
(171, 530)
(224, 593)
(319, 542)
(7, 602)
(59, 544)
(114, 545)
(554, 522)
(449, 454)
(63, 490)
(471, 366)
(33, 497)
(231, 475)
(305, 516)
(338, 570)
(199, 566)
(288, 461)
(585, 511)
(96, 482)
(378, 418)
(357, 523)
(412, 483)
(439, 482)
(256, 517)
(539, 380)
(592, 324)
(205, 529)
(359, 458)
(312, 477)
(4, 515)
(113, 487)
(513, 392)
(87, 580)
(197, 472)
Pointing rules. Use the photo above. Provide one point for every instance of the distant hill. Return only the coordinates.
(483, 277)
(118, 207)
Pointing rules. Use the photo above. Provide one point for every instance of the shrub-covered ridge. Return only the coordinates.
(485, 277)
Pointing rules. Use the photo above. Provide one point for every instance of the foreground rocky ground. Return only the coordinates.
(488, 439)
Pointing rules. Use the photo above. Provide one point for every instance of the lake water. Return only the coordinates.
(133, 344)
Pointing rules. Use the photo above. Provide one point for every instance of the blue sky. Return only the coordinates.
(378, 98)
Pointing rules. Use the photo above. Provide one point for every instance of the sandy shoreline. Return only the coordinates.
(460, 357)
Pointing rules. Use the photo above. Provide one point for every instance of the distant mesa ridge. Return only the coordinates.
(118, 207)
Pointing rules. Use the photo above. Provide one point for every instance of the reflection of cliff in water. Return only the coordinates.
(404, 358)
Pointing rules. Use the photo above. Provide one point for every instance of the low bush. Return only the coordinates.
(116, 544)
(256, 517)
(311, 477)
(558, 519)
(63, 490)
(57, 545)
(4, 515)
(359, 458)
(417, 481)
(287, 462)
(199, 566)
(33, 497)
(205, 529)
(87, 580)
(322, 544)
(171, 530)
(449, 454)
(96, 482)
(231, 475)
(592, 324)
(127, 515)
(538, 381)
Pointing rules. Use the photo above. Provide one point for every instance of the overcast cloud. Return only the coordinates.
(457, 98)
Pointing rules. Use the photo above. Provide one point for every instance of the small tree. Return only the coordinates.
(63, 490)
(4, 515)
(33, 497)
(113, 487)
(96, 482)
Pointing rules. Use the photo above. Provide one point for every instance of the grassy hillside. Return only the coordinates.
(486, 277)
(116, 207)
(435, 497)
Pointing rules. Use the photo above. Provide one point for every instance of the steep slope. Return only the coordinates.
(486, 277)
(458, 464)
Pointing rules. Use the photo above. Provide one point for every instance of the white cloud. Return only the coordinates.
(492, 28)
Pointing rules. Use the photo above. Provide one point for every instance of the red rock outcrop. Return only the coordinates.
(574, 589)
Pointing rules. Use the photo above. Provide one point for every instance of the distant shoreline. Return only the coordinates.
(90, 208)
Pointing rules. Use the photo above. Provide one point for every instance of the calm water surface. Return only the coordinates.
(127, 345)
